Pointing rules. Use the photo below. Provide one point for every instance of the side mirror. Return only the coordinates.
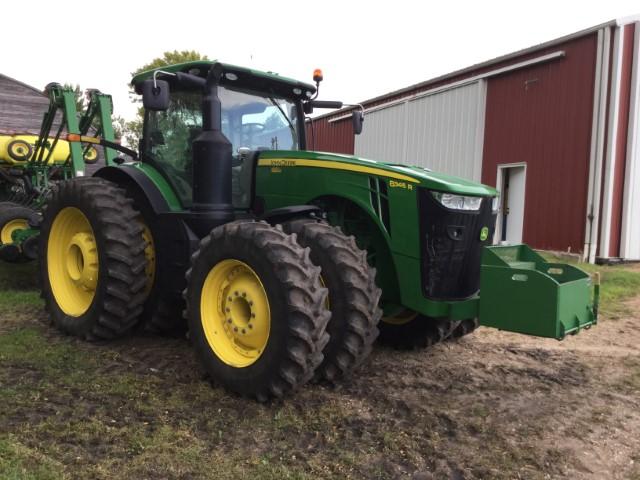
(357, 119)
(155, 95)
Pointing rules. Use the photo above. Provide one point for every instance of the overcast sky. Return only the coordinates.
(364, 48)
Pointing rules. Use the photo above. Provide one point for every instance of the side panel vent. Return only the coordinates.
(380, 201)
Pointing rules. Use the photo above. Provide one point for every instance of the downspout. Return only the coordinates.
(612, 141)
(631, 191)
(593, 147)
(597, 143)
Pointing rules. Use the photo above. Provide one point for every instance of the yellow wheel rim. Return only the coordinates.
(150, 255)
(401, 318)
(235, 315)
(91, 154)
(11, 226)
(72, 261)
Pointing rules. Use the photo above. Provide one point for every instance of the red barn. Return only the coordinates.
(554, 127)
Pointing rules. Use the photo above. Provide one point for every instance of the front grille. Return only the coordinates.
(451, 247)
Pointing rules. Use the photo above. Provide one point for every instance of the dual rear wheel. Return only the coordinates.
(270, 308)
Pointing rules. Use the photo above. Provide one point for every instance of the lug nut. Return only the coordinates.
(228, 320)
(244, 294)
(244, 331)
(236, 293)
(253, 315)
(235, 329)
(227, 309)
(251, 303)
(250, 326)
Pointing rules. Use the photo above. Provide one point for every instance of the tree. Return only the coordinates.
(79, 95)
(132, 130)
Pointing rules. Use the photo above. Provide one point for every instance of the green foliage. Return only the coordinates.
(171, 58)
(618, 283)
(133, 129)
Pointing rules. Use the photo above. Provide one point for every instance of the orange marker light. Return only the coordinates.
(73, 137)
(317, 75)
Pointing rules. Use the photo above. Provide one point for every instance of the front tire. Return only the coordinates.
(411, 331)
(92, 261)
(256, 309)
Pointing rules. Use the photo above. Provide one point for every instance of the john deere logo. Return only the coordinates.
(484, 234)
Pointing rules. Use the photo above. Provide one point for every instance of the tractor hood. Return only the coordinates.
(416, 175)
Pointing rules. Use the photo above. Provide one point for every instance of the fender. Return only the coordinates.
(127, 175)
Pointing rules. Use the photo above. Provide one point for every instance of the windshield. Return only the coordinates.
(256, 121)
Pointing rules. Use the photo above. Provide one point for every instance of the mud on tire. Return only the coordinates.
(353, 295)
(119, 289)
(296, 305)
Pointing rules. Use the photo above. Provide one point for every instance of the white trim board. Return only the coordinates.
(516, 66)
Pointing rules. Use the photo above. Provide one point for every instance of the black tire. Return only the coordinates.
(353, 296)
(465, 327)
(164, 305)
(6, 204)
(296, 299)
(19, 150)
(119, 291)
(415, 332)
(10, 212)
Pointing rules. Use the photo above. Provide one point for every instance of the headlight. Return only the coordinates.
(495, 204)
(458, 202)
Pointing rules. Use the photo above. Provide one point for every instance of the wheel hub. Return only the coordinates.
(82, 261)
(237, 324)
(72, 261)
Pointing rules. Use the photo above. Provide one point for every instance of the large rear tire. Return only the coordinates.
(92, 261)
(353, 296)
(256, 309)
(411, 331)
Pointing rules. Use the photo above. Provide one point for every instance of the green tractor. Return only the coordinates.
(283, 264)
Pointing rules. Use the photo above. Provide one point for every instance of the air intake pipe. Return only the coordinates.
(212, 152)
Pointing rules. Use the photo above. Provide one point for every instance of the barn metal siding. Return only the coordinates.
(384, 136)
(630, 235)
(542, 115)
(21, 107)
(621, 141)
(336, 137)
(446, 131)
(443, 132)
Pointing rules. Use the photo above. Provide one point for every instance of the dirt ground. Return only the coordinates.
(493, 405)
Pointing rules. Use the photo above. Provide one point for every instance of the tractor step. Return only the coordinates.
(521, 292)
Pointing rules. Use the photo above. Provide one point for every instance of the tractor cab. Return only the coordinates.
(257, 111)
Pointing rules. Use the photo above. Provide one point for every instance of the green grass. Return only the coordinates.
(75, 410)
(618, 283)
(18, 285)
(18, 462)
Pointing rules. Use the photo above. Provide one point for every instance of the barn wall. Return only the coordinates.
(630, 228)
(21, 107)
(542, 116)
(443, 132)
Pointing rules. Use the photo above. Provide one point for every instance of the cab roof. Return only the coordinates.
(246, 77)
